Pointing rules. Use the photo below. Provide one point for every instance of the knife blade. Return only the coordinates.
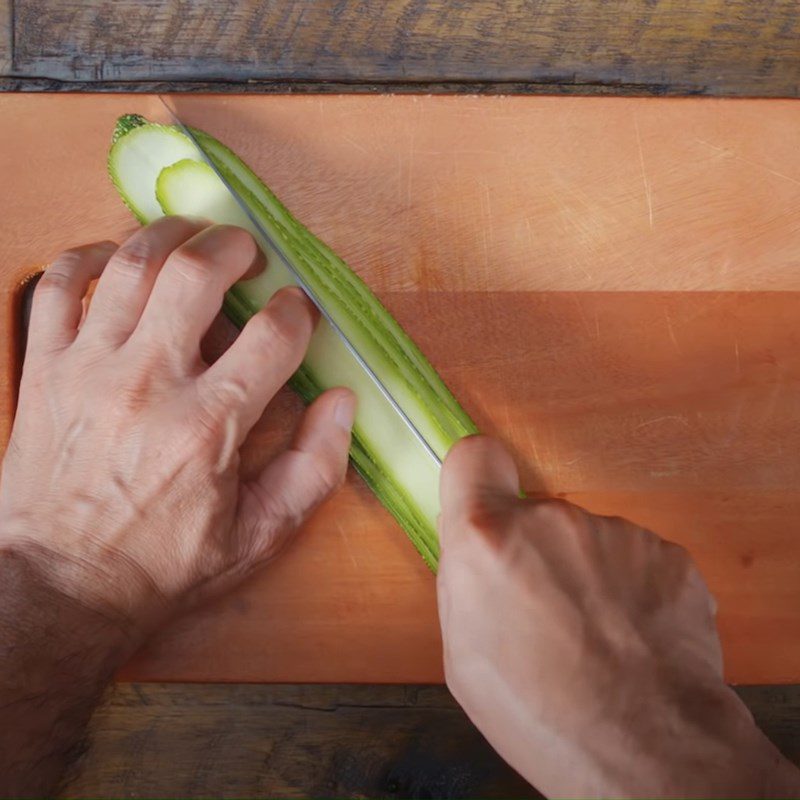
(301, 282)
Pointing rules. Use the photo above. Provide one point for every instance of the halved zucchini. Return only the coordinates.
(158, 170)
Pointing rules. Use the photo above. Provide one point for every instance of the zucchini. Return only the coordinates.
(158, 170)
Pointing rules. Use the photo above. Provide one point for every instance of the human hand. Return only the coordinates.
(585, 648)
(121, 477)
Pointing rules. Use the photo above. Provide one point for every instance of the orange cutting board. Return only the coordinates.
(610, 285)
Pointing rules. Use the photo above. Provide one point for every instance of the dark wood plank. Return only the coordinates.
(176, 740)
(777, 711)
(155, 740)
(734, 47)
(5, 37)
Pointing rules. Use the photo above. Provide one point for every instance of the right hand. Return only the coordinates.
(585, 648)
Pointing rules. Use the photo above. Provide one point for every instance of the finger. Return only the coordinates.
(122, 292)
(188, 292)
(298, 480)
(477, 474)
(57, 300)
(265, 355)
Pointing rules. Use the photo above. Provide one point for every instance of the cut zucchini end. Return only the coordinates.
(125, 124)
(138, 154)
(205, 195)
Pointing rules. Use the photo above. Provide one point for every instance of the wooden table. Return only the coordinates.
(370, 741)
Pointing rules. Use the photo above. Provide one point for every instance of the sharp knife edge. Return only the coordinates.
(305, 287)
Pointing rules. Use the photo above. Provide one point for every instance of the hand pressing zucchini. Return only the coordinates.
(157, 170)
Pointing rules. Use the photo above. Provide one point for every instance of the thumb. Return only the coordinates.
(479, 478)
(291, 487)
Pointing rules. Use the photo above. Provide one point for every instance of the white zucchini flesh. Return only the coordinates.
(158, 170)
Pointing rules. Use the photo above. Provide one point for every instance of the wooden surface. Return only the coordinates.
(589, 275)
(147, 747)
(290, 741)
(153, 740)
(5, 37)
(717, 47)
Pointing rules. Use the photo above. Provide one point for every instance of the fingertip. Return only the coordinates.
(257, 266)
(344, 412)
(298, 295)
(328, 422)
(107, 246)
(197, 219)
(293, 310)
(478, 465)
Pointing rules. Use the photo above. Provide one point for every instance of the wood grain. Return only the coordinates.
(153, 740)
(465, 193)
(290, 741)
(6, 37)
(733, 47)
(316, 741)
(491, 242)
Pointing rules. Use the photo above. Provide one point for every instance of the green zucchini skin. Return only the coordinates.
(391, 462)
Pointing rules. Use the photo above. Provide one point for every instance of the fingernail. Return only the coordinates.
(345, 411)
(198, 220)
(285, 305)
(298, 295)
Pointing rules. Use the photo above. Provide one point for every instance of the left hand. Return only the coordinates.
(121, 480)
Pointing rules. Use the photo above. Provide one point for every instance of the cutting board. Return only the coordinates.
(610, 285)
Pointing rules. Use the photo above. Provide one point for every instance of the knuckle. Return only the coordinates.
(60, 274)
(479, 516)
(192, 267)
(132, 258)
(276, 330)
(212, 418)
(206, 426)
(488, 520)
(328, 475)
(132, 396)
(227, 393)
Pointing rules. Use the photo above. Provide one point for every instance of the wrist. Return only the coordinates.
(101, 583)
(52, 631)
(58, 657)
(696, 738)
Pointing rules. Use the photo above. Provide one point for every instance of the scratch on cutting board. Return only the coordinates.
(410, 167)
(487, 201)
(680, 418)
(533, 448)
(647, 191)
(555, 463)
(531, 237)
(346, 542)
(507, 415)
(773, 400)
(354, 143)
(672, 332)
(583, 316)
(738, 359)
(733, 154)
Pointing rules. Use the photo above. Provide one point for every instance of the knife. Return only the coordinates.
(187, 131)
